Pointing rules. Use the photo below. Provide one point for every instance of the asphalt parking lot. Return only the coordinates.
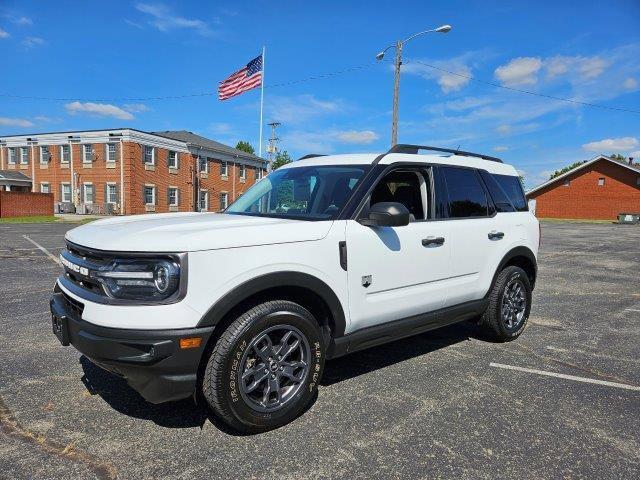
(438, 405)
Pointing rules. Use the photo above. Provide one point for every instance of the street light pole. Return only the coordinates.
(396, 82)
(396, 92)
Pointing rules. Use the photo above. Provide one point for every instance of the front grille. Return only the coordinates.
(90, 259)
(74, 305)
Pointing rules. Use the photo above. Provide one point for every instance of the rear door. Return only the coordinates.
(477, 234)
(397, 272)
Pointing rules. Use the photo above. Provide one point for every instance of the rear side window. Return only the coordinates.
(466, 195)
(513, 188)
(499, 196)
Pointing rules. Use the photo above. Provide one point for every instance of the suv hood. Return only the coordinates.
(184, 232)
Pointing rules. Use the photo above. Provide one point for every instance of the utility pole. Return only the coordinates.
(272, 149)
(396, 89)
(396, 84)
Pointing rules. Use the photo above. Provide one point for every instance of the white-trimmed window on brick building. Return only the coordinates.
(24, 155)
(44, 187)
(149, 194)
(224, 200)
(259, 173)
(111, 193)
(87, 153)
(172, 159)
(111, 151)
(88, 193)
(65, 154)
(601, 181)
(204, 200)
(44, 153)
(243, 172)
(65, 192)
(224, 169)
(149, 155)
(203, 164)
(12, 156)
(173, 196)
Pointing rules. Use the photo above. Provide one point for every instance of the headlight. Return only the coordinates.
(152, 279)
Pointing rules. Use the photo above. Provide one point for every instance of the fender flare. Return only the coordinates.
(511, 254)
(272, 280)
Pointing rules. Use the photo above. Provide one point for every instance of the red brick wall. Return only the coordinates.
(19, 204)
(136, 175)
(585, 199)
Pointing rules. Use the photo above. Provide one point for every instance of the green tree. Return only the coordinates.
(617, 156)
(557, 173)
(282, 158)
(245, 147)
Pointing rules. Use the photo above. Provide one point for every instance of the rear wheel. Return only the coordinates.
(264, 369)
(509, 305)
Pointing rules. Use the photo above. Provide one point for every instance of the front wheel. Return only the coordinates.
(264, 369)
(509, 305)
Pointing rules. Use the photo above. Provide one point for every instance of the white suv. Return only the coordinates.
(323, 257)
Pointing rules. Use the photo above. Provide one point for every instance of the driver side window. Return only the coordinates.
(410, 187)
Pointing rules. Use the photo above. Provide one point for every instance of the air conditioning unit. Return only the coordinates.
(67, 207)
(81, 209)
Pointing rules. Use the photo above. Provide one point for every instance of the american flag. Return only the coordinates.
(245, 79)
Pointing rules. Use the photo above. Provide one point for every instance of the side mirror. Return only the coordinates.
(386, 214)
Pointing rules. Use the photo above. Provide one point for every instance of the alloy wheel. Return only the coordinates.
(274, 367)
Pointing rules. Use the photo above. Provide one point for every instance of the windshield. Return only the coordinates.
(306, 193)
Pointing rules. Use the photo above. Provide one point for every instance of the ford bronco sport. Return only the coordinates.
(323, 257)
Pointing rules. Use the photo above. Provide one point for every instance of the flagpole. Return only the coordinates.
(261, 103)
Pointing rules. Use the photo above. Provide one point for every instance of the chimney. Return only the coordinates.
(630, 160)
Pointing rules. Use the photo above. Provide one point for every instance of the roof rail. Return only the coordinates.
(414, 149)
(312, 155)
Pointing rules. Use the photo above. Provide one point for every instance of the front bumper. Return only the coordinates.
(151, 361)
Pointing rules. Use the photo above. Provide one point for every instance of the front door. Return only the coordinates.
(397, 272)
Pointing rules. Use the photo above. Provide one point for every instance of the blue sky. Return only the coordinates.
(111, 53)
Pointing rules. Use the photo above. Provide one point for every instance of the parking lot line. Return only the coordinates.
(40, 247)
(566, 377)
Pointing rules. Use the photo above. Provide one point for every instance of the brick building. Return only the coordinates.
(128, 171)
(599, 189)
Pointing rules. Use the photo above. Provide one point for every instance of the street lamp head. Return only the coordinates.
(443, 29)
(380, 56)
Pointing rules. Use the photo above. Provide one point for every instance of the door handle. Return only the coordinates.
(433, 241)
(493, 235)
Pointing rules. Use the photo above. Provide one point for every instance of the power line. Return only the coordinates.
(192, 95)
(319, 77)
(519, 90)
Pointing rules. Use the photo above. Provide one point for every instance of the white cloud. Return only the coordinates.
(630, 83)
(31, 42)
(519, 71)
(98, 109)
(579, 67)
(503, 129)
(133, 24)
(221, 128)
(15, 122)
(635, 155)
(45, 119)
(608, 145)
(500, 148)
(301, 108)
(135, 107)
(4, 34)
(357, 136)
(448, 82)
(19, 20)
(165, 20)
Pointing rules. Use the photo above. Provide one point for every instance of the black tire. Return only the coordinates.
(234, 352)
(494, 322)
